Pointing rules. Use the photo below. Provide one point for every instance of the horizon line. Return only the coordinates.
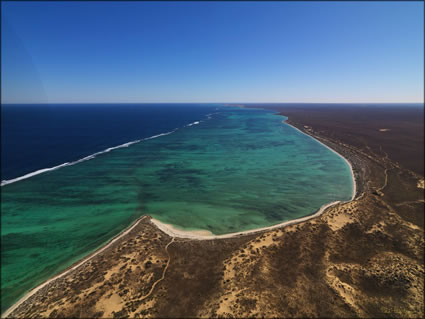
(32, 103)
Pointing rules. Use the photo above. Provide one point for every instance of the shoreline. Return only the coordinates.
(331, 149)
(201, 234)
(73, 266)
(194, 234)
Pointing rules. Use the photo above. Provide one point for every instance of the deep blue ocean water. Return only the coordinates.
(38, 136)
(220, 169)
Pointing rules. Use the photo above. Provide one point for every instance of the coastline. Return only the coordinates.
(73, 266)
(331, 149)
(197, 234)
(217, 278)
(194, 234)
(207, 235)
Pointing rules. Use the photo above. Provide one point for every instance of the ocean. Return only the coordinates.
(35, 137)
(209, 167)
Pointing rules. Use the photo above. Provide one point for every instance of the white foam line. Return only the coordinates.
(195, 123)
(40, 171)
(123, 233)
(44, 170)
(174, 232)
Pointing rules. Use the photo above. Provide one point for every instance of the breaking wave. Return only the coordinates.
(94, 155)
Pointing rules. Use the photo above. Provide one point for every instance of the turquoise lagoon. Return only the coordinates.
(238, 169)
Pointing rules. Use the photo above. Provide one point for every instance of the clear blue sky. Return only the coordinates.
(212, 52)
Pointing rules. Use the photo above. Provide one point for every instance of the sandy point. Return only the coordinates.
(172, 231)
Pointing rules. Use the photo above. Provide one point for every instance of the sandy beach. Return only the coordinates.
(370, 241)
(173, 232)
(192, 234)
(207, 235)
(332, 150)
(73, 267)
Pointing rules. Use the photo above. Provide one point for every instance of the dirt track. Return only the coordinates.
(358, 259)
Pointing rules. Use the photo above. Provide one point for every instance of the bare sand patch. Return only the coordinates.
(339, 220)
(379, 227)
(112, 271)
(227, 303)
(109, 305)
(343, 289)
(176, 232)
(207, 235)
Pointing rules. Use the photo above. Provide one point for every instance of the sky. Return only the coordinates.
(119, 52)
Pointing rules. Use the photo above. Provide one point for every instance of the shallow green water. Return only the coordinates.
(240, 170)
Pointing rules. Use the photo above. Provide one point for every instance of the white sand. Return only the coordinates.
(33, 291)
(195, 234)
(207, 235)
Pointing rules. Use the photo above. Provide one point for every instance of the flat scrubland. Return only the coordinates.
(364, 258)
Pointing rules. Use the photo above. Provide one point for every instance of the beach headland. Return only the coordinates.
(359, 258)
(172, 231)
(207, 235)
